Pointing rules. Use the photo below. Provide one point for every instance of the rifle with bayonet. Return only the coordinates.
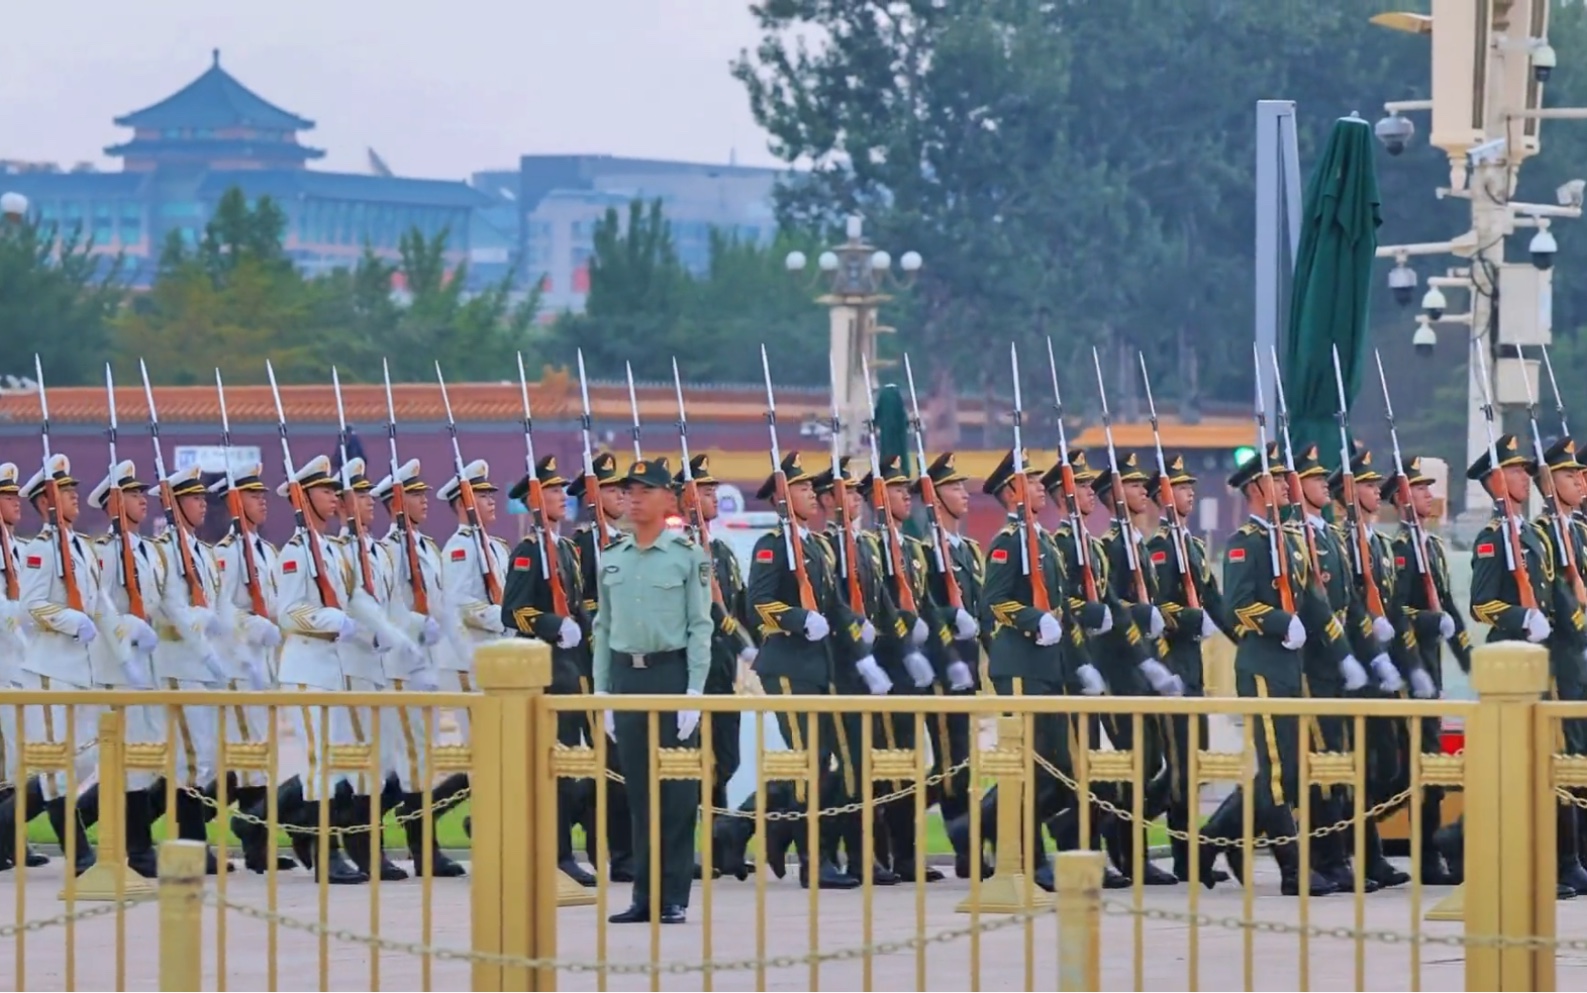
(303, 520)
(633, 407)
(1558, 519)
(696, 514)
(1297, 498)
(354, 522)
(181, 537)
(1361, 552)
(399, 507)
(66, 567)
(1071, 491)
(790, 527)
(1277, 550)
(239, 519)
(928, 496)
(1121, 511)
(1514, 555)
(848, 547)
(535, 499)
(1413, 520)
(465, 490)
(1165, 499)
(592, 483)
(116, 507)
(886, 527)
(1024, 515)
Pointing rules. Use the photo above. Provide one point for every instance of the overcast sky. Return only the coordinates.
(437, 88)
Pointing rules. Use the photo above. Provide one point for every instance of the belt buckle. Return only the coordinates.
(638, 661)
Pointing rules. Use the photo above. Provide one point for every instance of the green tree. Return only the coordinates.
(57, 299)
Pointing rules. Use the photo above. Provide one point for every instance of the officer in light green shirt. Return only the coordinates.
(653, 636)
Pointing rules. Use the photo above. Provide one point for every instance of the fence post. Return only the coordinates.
(1509, 829)
(1008, 890)
(181, 867)
(511, 795)
(1079, 880)
(110, 878)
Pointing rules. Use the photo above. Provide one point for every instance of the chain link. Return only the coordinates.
(68, 917)
(847, 808)
(1569, 799)
(436, 809)
(1263, 842)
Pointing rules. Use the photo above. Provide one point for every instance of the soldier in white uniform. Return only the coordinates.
(365, 661)
(248, 603)
(418, 577)
(478, 604)
(190, 655)
(80, 640)
(315, 623)
(14, 625)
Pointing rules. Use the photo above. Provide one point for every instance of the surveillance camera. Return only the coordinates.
(1433, 303)
(1543, 61)
(1543, 247)
(1424, 339)
(1395, 132)
(1570, 194)
(1402, 283)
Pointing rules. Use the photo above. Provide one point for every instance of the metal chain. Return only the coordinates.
(988, 923)
(1567, 798)
(1263, 842)
(436, 809)
(86, 913)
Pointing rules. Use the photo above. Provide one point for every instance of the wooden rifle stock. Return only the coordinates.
(1039, 596)
(184, 548)
(63, 542)
(1286, 594)
(895, 558)
(928, 496)
(1176, 527)
(410, 548)
(300, 506)
(1369, 581)
(1429, 588)
(807, 594)
(13, 589)
(851, 548)
(550, 548)
(250, 565)
(1523, 577)
(117, 507)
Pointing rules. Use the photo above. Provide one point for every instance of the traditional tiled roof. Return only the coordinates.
(215, 100)
(287, 184)
(216, 148)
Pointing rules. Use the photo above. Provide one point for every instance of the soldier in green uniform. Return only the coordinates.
(1498, 599)
(1183, 570)
(1132, 667)
(653, 636)
(967, 566)
(591, 540)
(540, 600)
(806, 630)
(1272, 619)
(732, 643)
(919, 628)
(1421, 580)
(1378, 630)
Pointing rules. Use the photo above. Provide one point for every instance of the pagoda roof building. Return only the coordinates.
(217, 121)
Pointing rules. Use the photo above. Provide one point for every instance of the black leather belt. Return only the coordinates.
(650, 659)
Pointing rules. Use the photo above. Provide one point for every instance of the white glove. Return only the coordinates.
(1091, 681)
(1422, 685)
(348, 630)
(919, 633)
(1382, 629)
(608, 719)
(1155, 628)
(1388, 676)
(1537, 626)
(261, 632)
(1048, 630)
(875, 679)
(430, 632)
(85, 632)
(919, 670)
(210, 623)
(1209, 627)
(748, 655)
(1107, 623)
(141, 636)
(1446, 626)
(217, 670)
(960, 677)
(381, 647)
(569, 635)
(964, 625)
(1296, 636)
(867, 633)
(137, 672)
(816, 627)
(258, 675)
(688, 721)
(1355, 677)
(424, 679)
(1161, 679)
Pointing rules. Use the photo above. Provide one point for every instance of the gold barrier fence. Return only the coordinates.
(517, 922)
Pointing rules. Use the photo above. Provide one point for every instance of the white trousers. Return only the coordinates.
(318, 730)
(458, 681)
(245, 725)
(191, 733)
(75, 727)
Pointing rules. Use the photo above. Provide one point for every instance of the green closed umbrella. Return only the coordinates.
(1332, 285)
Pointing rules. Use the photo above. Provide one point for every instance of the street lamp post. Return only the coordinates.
(855, 276)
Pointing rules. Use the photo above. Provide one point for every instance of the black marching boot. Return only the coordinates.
(1279, 822)
(32, 806)
(959, 836)
(361, 844)
(441, 865)
(140, 835)
(1378, 868)
(55, 810)
(190, 826)
(252, 800)
(730, 837)
(1434, 871)
(1566, 844)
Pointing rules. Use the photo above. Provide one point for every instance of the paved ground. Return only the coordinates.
(1002, 953)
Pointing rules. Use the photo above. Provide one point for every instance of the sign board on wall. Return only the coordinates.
(213, 458)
